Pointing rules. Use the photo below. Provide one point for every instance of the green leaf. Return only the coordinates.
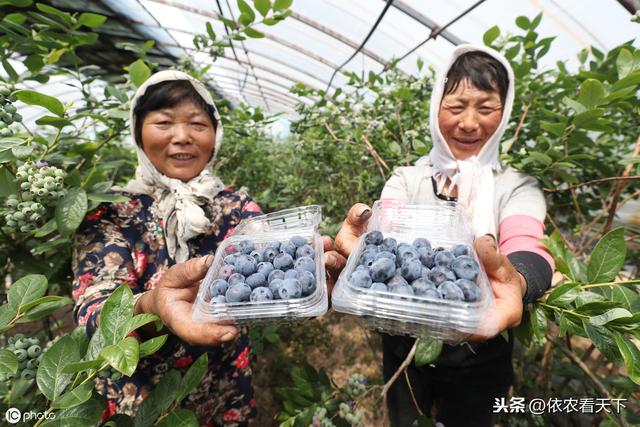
(523, 22)
(74, 397)
(254, 34)
(51, 381)
(56, 122)
(66, 17)
(608, 316)
(7, 313)
(48, 228)
(123, 356)
(629, 298)
(27, 289)
(70, 211)
(564, 294)
(586, 119)
(96, 344)
(596, 307)
(22, 152)
(7, 184)
(108, 198)
(32, 97)
(607, 257)
(28, 307)
(490, 35)
(152, 345)
(632, 79)
(591, 93)
(139, 72)
(603, 339)
(631, 357)
(116, 314)
(536, 21)
(538, 323)
(91, 20)
(247, 15)
(8, 362)
(85, 415)
(166, 391)
(10, 70)
(85, 365)
(427, 350)
(262, 6)
(139, 321)
(556, 129)
(624, 63)
(18, 3)
(193, 377)
(209, 27)
(282, 4)
(180, 418)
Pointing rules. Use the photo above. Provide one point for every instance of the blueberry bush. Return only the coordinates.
(575, 130)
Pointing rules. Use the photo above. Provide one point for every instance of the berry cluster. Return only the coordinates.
(28, 352)
(347, 413)
(280, 270)
(356, 385)
(109, 373)
(417, 269)
(8, 112)
(40, 186)
(320, 418)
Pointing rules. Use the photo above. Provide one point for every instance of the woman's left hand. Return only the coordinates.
(508, 287)
(333, 262)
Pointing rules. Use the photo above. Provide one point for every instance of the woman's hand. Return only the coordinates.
(508, 287)
(172, 300)
(353, 226)
(333, 262)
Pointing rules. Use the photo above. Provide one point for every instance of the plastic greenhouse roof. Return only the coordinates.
(320, 35)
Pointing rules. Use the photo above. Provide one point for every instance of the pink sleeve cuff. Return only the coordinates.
(522, 233)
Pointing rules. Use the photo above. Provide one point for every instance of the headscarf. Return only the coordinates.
(473, 177)
(178, 202)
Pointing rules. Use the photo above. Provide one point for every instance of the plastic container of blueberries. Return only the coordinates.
(281, 225)
(443, 224)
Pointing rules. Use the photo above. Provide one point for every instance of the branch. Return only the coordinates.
(595, 181)
(413, 396)
(379, 160)
(521, 122)
(401, 368)
(619, 187)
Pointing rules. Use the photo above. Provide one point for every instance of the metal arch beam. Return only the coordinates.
(269, 98)
(426, 21)
(230, 84)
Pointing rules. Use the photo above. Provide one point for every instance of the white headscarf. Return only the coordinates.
(178, 202)
(473, 177)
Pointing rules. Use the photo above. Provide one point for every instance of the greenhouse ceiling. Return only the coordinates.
(320, 36)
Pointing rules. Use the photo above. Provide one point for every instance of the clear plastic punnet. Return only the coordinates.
(261, 231)
(425, 314)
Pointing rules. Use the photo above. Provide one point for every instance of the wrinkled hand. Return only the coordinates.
(508, 288)
(353, 226)
(172, 300)
(333, 262)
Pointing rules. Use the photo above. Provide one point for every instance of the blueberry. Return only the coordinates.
(290, 288)
(237, 293)
(406, 254)
(275, 244)
(411, 270)
(246, 247)
(427, 258)
(382, 270)
(275, 274)
(34, 351)
(283, 261)
(265, 268)
(235, 278)
(269, 254)
(465, 267)
(288, 248)
(389, 244)
(275, 286)
(402, 289)
(425, 272)
(230, 259)
(218, 299)
(291, 274)
(226, 271)
(307, 282)
(360, 279)
(459, 250)
(421, 286)
(432, 293)
(373, 237)
(362, 267)
(451, 291)
(385, 254)
(439, 275)
(421, 242)
(261, 294)
(397, 281)
(402, 249)
(246, 265)
(469, 289)
(218, 287)
(306, 263)
(305, 250)
(374, 249)
(298, 241)
(444, 259)
(256, 280)
(367, 258)
(438, 249)
(378, 286)
(257, 255)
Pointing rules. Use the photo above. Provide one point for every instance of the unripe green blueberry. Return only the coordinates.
(11, 340)
(3, 125)
(35, 217)
(25, 185)
(21, 354)
(11, 203)
(28, 374)
(11, 376)
(33, 341)
(13, 98)
(17, 117)
(5, 132)
(18, 216)
(11, 223)
(41, 192)
(34, 351)
(32, 364)
(10, 108)
(25, 228)
(22, 343)
(23, 364)
(26, 195)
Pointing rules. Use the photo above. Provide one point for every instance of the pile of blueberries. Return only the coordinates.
(417, 269)
(29, 354)
(8, 112)
(280, 270)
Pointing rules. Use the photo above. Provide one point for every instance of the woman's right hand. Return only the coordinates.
(353, 226)
(172, 300)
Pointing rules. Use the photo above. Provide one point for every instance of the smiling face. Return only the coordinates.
(178, 140)
(468, 117)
